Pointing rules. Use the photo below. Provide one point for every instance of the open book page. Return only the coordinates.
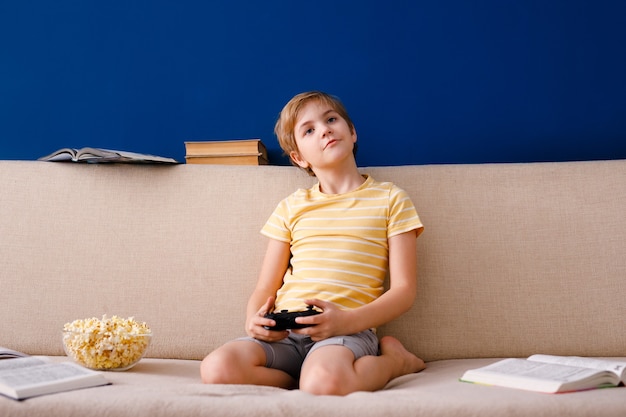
(64, 154)
(89, 154)
(616, 367)
(539, 376)
(21, 363)
(539, 370)
(97, 155)
(6, 353)
(32, 376)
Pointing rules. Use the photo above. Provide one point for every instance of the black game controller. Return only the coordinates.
(287, 320)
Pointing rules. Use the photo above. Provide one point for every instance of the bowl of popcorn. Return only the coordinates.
(107, 344)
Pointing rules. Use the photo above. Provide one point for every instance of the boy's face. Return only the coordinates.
(323, 137)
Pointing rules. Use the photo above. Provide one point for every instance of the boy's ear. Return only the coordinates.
(295, 157)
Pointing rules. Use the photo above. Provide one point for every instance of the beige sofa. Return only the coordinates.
(515, 259)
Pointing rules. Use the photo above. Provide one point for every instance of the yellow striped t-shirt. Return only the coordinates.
(339, 242)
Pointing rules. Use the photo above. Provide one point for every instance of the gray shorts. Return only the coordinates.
(289, 354)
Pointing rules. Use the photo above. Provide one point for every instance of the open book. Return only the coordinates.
(6, 353)
(97, 155)
(550, 374)
(30, 376)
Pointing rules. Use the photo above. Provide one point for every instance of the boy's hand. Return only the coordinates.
(331, 322)
(255, 324)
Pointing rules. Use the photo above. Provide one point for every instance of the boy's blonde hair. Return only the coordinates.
(286, 123)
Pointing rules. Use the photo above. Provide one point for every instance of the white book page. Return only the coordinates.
(18, 363)
(42, 374)
(6, 353)
(538, 370)
(616, 367)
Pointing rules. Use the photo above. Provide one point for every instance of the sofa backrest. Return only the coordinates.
(515, 259)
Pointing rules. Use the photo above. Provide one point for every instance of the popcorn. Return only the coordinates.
(109, 344)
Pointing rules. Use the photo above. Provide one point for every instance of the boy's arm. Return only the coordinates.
(269, 281)
(394, 302)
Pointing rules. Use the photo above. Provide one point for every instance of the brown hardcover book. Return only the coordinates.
(256, 159)
(226, 148)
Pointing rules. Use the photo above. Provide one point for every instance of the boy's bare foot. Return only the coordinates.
(408, 363)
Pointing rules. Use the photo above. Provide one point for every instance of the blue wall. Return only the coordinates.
(452, 81)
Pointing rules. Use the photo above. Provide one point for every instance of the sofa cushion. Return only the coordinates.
(157, 387)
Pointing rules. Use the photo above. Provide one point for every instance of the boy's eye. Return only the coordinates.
(308, 131)
(331, 119)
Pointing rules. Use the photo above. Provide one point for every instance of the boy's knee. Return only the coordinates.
(324, 382)
(206, 370)
(214, 369)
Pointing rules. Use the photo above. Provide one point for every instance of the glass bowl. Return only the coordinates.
(105, 351)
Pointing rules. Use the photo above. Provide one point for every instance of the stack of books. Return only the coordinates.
(227, 152)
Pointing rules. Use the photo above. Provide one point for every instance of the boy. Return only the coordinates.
(330, 247)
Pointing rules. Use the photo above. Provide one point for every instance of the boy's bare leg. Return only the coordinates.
(242, 362)
(332, 370)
